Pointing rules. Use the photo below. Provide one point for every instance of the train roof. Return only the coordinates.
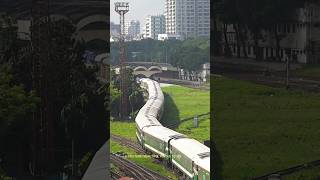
(162, 133)
(203, 162)
(143, 121)
(156, 103)
(154, 89)
(197, 151)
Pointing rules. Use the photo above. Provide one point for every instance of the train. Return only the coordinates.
(185, 154)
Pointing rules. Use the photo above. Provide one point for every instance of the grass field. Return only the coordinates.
(181, 103)
(309, 174)
(259, 129)
(145, 161)
(309, 71)
(125, 129)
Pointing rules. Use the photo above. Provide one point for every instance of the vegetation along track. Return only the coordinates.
(128, 143)
(135, 171)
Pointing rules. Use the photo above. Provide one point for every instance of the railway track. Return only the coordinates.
(115, 175)
(135, 171)
(290, 170)
(274, 80)
(128, 143)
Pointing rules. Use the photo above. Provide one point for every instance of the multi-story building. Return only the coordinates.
(300, 39)
(202, 18)
(163, 37)
(154, 25)
(134, 29)
(126, 28)
(188, 18)
(131, 29)
(114, 29)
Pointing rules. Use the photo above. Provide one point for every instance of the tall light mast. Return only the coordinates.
(122, 8)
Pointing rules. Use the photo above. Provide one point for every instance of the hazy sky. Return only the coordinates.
(138, 10)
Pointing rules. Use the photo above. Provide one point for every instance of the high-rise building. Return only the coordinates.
(154, 25)
(134, 29)
(114, 29)
(126, 28)
(300, 39)
(188, 18)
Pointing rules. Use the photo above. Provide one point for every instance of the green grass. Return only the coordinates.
(311, 71)
(309, 174)
(145, 161)
(125, 129)
(181, 103)
(259, 129)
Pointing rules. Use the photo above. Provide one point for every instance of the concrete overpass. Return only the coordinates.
(151, 69)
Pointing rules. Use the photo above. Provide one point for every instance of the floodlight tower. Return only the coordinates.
(122, 8)
(42, 139)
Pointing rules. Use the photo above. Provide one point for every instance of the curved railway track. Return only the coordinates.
(115, 175)
(135, 171)
(128, 143)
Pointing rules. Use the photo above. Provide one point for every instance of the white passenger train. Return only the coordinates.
(191, 157)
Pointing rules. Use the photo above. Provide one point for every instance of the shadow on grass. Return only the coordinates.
(217, 163)
(170, 117)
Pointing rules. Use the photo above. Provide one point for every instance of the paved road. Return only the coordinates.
(99, 168)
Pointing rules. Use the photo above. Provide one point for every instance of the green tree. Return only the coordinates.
(16, 108)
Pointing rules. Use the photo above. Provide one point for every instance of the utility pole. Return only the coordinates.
(122, 8)
(42, 139)
(287, 73)
(166, 54)
(289, 56)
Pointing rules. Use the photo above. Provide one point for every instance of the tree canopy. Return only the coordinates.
(189, 54)
(254, 16)
(76, 99)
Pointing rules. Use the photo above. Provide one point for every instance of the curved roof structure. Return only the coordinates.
(73, 9)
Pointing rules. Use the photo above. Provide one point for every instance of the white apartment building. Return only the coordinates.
(300, 40)
(131, 29)
(114, 29)
(188, 18)
(126, 28)
(163, 37)
(134, 29)
(154, 25)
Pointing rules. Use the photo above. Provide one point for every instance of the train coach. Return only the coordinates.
(189, 156)
(157, 140)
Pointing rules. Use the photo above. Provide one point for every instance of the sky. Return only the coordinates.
(138, 10)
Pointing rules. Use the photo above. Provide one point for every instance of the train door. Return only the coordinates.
(164, 148)
(195, 171)
(169, 152)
